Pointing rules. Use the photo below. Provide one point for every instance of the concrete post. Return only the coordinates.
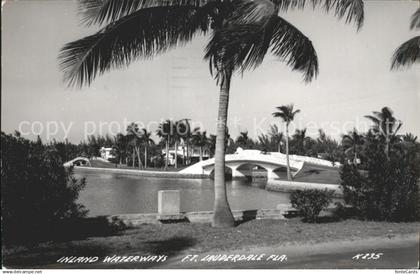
(169, 202)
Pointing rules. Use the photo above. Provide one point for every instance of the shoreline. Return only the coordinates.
(146, 173)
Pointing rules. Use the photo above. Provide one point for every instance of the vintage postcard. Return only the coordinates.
(204, 134)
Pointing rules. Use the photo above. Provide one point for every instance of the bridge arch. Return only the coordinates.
(228, 172)
(78, 161)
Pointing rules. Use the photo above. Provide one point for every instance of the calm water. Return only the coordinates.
(108, 193)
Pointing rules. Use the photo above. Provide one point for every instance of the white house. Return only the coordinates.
(194, 153)
(107, 153)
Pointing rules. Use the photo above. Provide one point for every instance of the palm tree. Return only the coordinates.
(243, 139)
(165, 132)
(121, 146)
(409, 138)
(179, 130)
(352, 143)
(147, 142)
(212, 142)
(386, 126)
(134, 139)
(276, 136)
(242, 33)
(287, 114)
(201, 141)
(186, 135)
(301, 140)
(409, 52)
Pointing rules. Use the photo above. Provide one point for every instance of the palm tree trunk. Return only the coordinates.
(289, 176)
(188, 153)
(139, 157)
(355, 158)
(176, 154)
(222, 215)
(145, 156)
(134, 156)
(201, 153)
(183, 154)
(167, 153)
(279, 145)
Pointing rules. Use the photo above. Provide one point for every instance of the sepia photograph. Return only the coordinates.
(210, 134)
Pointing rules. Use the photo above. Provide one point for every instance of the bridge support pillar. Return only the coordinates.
(271, 175)
(236, 173)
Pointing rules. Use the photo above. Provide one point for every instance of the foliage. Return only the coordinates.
(387, 187)
(408, 53)
(311, 202)
(37, 191)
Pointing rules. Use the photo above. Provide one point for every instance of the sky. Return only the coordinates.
(354, 79)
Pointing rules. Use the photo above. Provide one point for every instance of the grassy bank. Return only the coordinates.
(176, 239)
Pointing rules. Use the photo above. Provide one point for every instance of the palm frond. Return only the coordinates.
(415, 20)
(351, 10)
(243, 47)
(108, 11)
(407, 54)
(144, 33)
(254, 12)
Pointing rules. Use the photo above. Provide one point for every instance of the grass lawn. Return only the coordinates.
(176, 239)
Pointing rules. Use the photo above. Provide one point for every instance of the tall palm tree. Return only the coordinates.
(287, 114)
(147, 142)
(242, 33)
(201, 141)
(301, 140)
(243, 140)
(212, 142)
(352, 143)
(276, 136)
(134, 139)
(386, 126)
(165, 132)
(179, 130)
(409, 52)
(121, 146)
(186, 134)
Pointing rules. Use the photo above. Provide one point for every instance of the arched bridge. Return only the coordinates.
(78, 161)
(270, 161)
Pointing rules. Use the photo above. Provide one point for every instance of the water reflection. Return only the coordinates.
(110, 193)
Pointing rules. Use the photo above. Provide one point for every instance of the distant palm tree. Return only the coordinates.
(165, 132)
(179, 130)
(276, 136)
(134, 137)
(287, 114)
(409, 52)
(242, 140)
(187, 135)
(386, 126)
(243, 32)
(352, 143)
(409, 138)
(121, 146)
(147, 142)
(301, 139)
(201, 141)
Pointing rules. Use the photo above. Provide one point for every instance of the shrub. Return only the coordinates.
(37, 191)
(310, 202)
(387, 187)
